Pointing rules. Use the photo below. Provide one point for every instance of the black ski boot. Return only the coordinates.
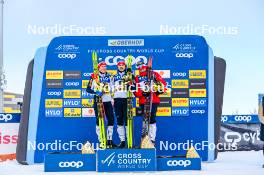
(110, 144)
(122, 145)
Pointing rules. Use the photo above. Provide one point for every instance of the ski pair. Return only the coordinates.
(99, 102)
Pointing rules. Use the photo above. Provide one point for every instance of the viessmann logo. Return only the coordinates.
(72, 164)
(126, 42)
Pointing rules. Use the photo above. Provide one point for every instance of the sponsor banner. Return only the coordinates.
(126, 42)
(166, 164)
(54, 75)
(126, 160)
(180, 112)
(88, 112)
(165, 102)
(87, 103)
(180, 93)
(198, 111)
(72, 103)
(86, 75)
(53, 103)
(69, 162)
(197, 92)
(54, 112)
(85, 83)
(197, 74)
(54, 84)
(9, 125)
(72, 112)
(73, 93)
(180, 75)
(9, 118)
(180, 102)
(240, 119)
(197, 83)
(86, 94)
(180, 83)
(54, 93)
(167, 93)
(240, 137)
(164, 111)
(71, 74)
(163, 73)
(198, 102)
(74, 84)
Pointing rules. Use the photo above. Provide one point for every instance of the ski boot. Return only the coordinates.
(110, 144)
(122, 145)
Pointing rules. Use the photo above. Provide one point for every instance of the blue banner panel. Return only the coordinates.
(10, 117)
(240, 119)
(64, 162)
(126, 160)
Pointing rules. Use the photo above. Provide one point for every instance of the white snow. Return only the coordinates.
(228, 163)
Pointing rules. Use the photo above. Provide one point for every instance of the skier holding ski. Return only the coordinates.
(102, 89)
(144, 91)
(120, 100)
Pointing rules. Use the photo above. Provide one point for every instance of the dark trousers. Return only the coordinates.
(120, 106)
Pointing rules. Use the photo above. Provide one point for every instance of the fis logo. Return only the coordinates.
(183, 163)
(72, 164)
(6, 117)
(109, 160)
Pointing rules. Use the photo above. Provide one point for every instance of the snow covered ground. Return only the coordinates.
(228, 163)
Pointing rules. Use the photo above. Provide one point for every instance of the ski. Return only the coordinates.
(129, 106)
(99, 102)
(148, 101)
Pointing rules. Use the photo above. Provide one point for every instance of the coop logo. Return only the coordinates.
(112, 60)
(224, 119)
(184, 55)
(194, 111)
(54, 93)
(126, 42)
(67, 56)
(243, 118)
(183, 163)
(72, 164)
(6, 117)
(179, 74)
